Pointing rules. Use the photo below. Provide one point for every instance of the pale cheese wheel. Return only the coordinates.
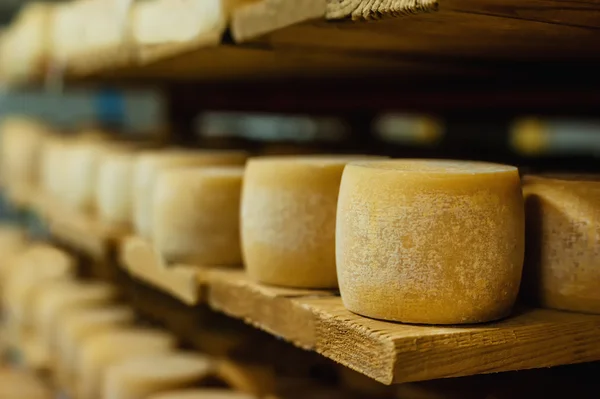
(53, 167)
(101, 351)
(430, 241)
(77, 325)
(58, 297)
(25, 50)
(563, 242)
(13, 242)
(140, 377)
(149, 165)
(113, 193)
(22, 140)
(288, 219)
(196, 215)
(203, 394)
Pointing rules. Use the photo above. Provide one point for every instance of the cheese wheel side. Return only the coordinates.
(288, 219)
(196, 215)
(432, 242)
(563, 242)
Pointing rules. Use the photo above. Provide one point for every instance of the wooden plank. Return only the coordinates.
(185, 282)
(395, 353)
(272, 309)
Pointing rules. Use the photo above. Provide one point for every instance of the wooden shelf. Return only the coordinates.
(468, 40)
(388, 352)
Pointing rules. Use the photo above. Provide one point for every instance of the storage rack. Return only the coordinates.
(495, 56)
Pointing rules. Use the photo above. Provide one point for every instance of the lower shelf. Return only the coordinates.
(388, 352)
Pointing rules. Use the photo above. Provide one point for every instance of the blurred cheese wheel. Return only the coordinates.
(53, 166)
(13, 242)
(148, 166)
(21, 143)
(54, 299)
(203, 394)
(22, 385)
(97, 353)
(196, 215)
(140, 377)
(77, 325)
(113, 193)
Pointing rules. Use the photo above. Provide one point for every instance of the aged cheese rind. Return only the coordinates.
(113, 193)
(288, 219)
(143, 376)
(196, 215)
(148, 166)
(101, 351)
(433, 242)
(563, 242)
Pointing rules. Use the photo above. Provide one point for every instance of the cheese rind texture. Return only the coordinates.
(563, 242)
(288, 219)
(148, 166)
(196, 215)
(432, 242)
(113, 193)
(140, 377)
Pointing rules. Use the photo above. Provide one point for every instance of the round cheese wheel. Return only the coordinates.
(21, 144)
(288, 219)
(203, 394)
(13, 242)
(140, 377)
(77, 325)
(196, 215)
(108, 348)
(113, 193)
(563, 242)
(55, 298)
(432, 242)
(53, 166)
(149, 165)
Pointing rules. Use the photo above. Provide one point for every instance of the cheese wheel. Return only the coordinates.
(108, 348)
(288, 219)
(140, 377)
(38, 265)
(563, 242)
(53, 167)
(149, 165)
(113, 194)
(432, 242)
(251, 378)
(196, 215)
(22, 385)
(13, 242)
(203, 394)
(58, 297)
(77, 325)
(21, 143)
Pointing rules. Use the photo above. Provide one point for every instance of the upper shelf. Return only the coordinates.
(415, 41)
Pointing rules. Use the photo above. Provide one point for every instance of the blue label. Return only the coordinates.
(110, 107)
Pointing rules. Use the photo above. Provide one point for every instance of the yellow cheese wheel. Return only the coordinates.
(433, 242)
(149, 165)
(107, 348)
(13, 242)
(23, 385)
(203, 394)
(288, 219)
(140, 377)
(21, 144)
(77, 325)
(563, 242)
(196, 215)
(55, 298)
(113, 194)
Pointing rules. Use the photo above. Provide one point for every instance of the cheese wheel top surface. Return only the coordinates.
(203, 394)
(435, 242)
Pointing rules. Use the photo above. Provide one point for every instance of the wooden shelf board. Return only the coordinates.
(466, 39)
(388, 352)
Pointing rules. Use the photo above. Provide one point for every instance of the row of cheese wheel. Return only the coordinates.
(420, 241)
(68, 35)
(92, 346)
